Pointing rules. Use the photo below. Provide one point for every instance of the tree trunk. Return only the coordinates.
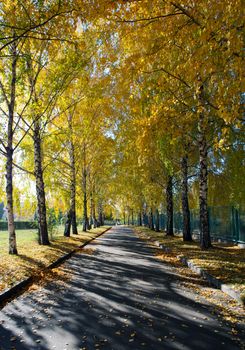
(41, 201)
(139, 219)
(169, 198)
(98, 221)
(85, 212)
(124, 218)
(9, 160)
(67, 231)
(157, 228)
(151, 223)
(185, 202)
(74, 222)
(85, 217)
(94, 220)
(145, 218)
(100, 213)
(9, 193)
(91, 221)
(149, 220)
(132, 218)
(73, 189)
(205, 240)
(71, 216)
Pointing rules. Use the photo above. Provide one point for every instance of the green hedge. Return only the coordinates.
(19, 225)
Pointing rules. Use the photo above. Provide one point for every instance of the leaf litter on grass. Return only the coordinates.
(227, 309)
(34, 258)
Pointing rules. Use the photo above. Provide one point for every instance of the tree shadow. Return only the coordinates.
(119, 298)
(34, 262)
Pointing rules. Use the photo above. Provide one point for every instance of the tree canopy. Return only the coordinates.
(120, 107)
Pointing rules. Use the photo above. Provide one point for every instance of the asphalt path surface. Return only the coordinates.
(115, 296)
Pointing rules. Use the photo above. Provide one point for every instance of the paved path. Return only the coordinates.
(120, 297)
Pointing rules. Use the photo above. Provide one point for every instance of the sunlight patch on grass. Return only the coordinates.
(33, 257)
(225, 262)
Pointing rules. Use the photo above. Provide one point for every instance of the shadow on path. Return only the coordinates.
(118, 298)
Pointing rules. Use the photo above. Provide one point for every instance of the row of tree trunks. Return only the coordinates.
(169, 202)
(38, 171)
(205, 240)
(169, 205)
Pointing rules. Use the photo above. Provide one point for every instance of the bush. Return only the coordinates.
(52, 222)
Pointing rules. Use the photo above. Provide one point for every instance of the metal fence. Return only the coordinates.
(19, 225)
(226, 223)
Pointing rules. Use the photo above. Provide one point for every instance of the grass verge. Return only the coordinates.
(223, 261)
(33, 257)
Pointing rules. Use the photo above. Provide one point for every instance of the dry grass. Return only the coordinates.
(226, 262)
(32, 257)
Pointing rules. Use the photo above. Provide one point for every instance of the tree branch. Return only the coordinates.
(170, 74)
(150, 18)
(33, 27)
(185, 12)
(4, 93)
(23, 169)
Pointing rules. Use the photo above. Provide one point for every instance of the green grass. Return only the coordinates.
(23, 236)
(32, 257)
(29, 235)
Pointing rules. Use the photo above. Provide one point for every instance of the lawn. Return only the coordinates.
(32, 257)
(224, 261)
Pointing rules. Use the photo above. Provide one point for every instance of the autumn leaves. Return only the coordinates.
(121, 106)
(181, 73)
(47, 106)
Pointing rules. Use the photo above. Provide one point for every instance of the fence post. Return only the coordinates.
(235, 224)
(209, 223)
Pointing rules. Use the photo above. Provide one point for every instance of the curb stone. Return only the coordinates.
(225, 288)
(13, 292)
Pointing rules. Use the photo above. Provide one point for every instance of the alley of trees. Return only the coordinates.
(129, 108)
